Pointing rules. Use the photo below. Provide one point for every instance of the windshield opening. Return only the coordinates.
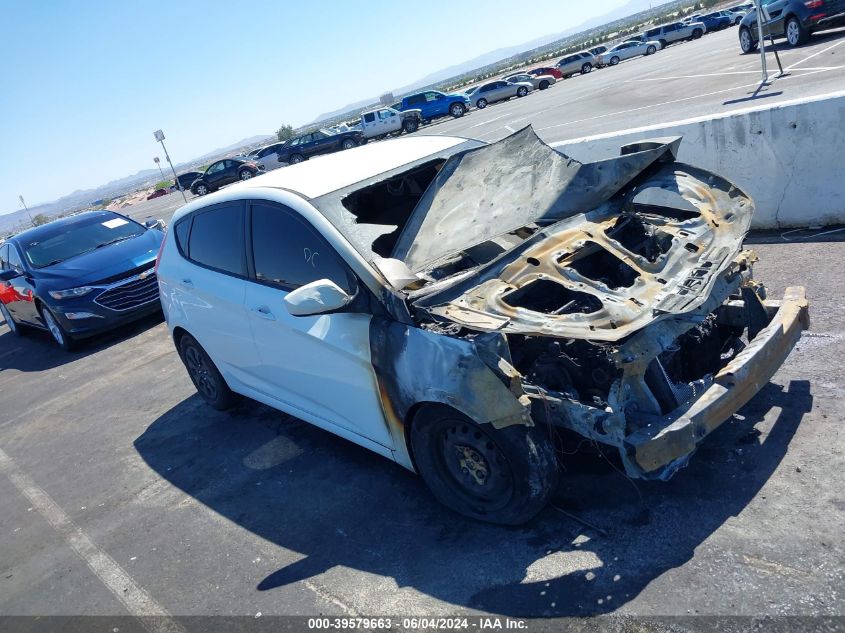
(81, 237)
(390, 202)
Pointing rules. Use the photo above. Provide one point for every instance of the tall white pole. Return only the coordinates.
(758, 4)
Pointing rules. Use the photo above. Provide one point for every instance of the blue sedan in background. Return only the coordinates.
(79, 276)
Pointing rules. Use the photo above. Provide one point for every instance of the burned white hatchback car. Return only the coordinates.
(453, 305)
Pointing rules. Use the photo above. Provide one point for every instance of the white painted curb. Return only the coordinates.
(789, 157)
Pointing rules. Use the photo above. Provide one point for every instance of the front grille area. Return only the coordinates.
(132, 294)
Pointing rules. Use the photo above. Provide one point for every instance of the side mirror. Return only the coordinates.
(155, 224)
(8, 275)
(318, 297)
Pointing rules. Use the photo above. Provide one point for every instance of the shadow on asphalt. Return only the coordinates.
(36, 351)
(339, 505)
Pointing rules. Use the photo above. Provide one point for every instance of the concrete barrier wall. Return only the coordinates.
(790, 158)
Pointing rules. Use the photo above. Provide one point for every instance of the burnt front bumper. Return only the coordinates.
(664, 445)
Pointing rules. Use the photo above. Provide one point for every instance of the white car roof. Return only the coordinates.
(321, 175)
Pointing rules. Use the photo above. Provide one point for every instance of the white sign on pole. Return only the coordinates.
(159, 135)
(155, 160)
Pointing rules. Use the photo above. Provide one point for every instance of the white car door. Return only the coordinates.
(390, 121)
(209, 285)
(317, 367)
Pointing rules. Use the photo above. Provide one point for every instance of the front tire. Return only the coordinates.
(663, 44)
(457, 110)
(521, 91)
(245, 174)
(543, 85)
(410, 126)
(481, 104)
(696, 34)
(208, 381)
(503, 476)
(614, 60)
(796, 34)
(200, 189)
(296, 158)
(60, 336)
(651, 50)
(746, 42)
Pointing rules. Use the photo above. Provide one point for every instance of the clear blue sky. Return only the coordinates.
(85, 83)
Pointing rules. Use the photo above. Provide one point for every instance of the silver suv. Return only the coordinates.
(576, 63)
(675, 32)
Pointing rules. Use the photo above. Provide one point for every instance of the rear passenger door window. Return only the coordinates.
(216, 239)
(288, 252)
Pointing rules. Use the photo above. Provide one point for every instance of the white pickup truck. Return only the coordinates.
(384, 121)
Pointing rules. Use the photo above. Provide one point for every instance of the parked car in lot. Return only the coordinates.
(627, 50)
(267, 156)
(347, 291)
(598, 50)
(184, 181)
(578, 63)
(158, 193)
(716, 21)
(539, 82)
(379, 123)
(322, 141)
(224, 172)
(675, 32)
(499, 91)
(433, 104)
(554, 71)
(796, 20)
(79, 276)
(739, 12)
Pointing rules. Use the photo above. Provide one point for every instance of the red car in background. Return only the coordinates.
(547, 70)
(157, 193)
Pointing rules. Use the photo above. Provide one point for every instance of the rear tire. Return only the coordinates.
(503, 476)
(348, 143)
(14, 328)
(204, 374)
(663, 44)
(586, 68)
(796, 34)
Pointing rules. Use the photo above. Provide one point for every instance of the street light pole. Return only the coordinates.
(27, 210)
(760, 39)
(159, 136)
(158, 164)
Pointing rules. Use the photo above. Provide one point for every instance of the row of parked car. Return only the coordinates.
(793, 19)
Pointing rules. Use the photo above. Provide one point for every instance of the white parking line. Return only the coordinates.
(488, 121)
(824, 50)
(137, 601)
(509, 129)
(736, 72)
(652, 105)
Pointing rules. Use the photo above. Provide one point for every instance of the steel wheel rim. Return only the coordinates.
(54, 328)
(295, 160)
(13, 327)
(482, 104)
(200, 373)
(745, 40)
(792, 32)
(474, 465)
(347, 144)
(202, 190)
(246, 175)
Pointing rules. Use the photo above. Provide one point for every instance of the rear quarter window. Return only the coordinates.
(216, 239)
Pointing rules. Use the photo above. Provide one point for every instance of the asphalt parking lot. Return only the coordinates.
(121, 492)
